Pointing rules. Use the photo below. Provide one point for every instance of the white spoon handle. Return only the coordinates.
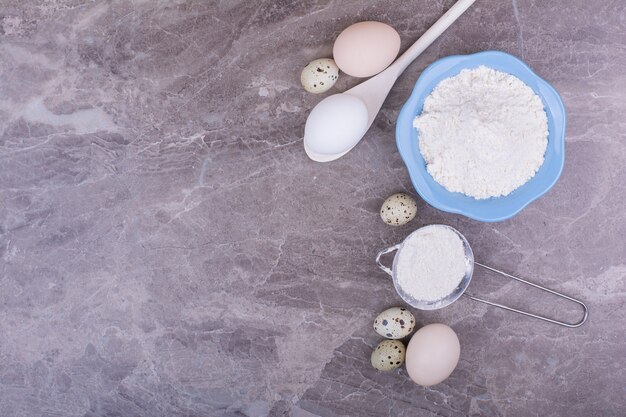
(430, 35)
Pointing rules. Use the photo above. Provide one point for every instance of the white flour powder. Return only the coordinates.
(431, 263)
(482, 133)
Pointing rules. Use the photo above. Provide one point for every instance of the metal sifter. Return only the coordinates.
(460, 289)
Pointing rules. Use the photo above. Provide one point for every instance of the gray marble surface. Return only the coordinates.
(167, 249)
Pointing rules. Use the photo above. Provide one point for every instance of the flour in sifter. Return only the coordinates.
(431, 263)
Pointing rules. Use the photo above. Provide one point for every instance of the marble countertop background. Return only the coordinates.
(167, 249)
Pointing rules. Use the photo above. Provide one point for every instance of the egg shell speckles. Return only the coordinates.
(388, 355)
(398, 210)
(394, 323)
(319, 75)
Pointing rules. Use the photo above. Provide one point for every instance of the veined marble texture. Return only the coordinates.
(167, 248)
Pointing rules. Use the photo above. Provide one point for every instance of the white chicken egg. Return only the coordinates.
(319, 75)
(335, 121)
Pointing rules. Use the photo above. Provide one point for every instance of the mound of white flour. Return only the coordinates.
(431, 263)
(482, 133)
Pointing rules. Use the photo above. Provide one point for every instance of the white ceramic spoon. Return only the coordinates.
(337, 123)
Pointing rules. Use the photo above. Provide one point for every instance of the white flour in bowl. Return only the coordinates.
(482, 133)
(431, 263)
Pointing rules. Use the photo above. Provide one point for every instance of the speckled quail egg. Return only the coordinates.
(398, 210)
(394, 323)
(388, 355)
(319, 75)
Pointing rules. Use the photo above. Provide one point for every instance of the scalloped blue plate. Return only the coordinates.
(492, 209)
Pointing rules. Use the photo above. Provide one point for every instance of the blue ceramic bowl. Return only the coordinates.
(492, 209)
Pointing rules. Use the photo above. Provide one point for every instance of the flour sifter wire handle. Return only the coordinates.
(526, 313)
